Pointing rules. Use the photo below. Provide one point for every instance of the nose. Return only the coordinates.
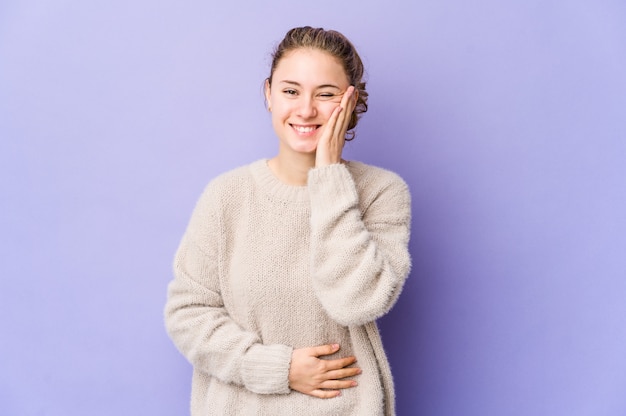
(307, 108)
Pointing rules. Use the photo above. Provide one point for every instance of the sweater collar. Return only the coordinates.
(274, 188)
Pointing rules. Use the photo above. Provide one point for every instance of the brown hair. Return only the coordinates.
(337, 45)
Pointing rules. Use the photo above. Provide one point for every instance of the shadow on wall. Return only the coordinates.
(400, 136)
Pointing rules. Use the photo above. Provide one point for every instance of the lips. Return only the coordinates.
(304, 129)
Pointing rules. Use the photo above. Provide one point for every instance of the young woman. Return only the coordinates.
(287, 263)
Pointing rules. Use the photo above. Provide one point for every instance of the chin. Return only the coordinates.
(306, 151)
(307, 147)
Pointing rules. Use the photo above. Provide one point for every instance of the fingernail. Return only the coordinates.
(335, 346)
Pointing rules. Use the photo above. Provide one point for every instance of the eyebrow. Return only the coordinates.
(318, 87)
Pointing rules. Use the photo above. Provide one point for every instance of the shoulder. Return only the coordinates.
(369, 178)
(228, 187)
(383, 196)
(380, 190)
(231, 182)
(235, 176)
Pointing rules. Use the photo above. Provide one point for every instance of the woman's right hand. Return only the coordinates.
(321, 378)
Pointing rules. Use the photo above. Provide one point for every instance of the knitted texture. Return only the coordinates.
(266, 267)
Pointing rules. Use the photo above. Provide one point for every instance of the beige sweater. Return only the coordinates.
(266, 267)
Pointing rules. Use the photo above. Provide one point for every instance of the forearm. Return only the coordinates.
(211, 340)
(359, 261)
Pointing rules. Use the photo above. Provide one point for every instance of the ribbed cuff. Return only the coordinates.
(265, 369)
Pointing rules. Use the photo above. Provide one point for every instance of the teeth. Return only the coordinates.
(302, 129)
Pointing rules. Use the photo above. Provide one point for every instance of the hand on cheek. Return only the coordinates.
(330, 145)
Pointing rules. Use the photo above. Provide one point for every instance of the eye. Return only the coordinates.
(326, 95)
(290, 92)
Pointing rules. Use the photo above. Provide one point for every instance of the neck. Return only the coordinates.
(292, 169)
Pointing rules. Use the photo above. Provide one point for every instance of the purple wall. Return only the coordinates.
(507, 121)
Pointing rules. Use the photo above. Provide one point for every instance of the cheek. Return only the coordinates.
(281, 108)
(326, 109)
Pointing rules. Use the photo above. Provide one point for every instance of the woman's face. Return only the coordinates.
(307, 85)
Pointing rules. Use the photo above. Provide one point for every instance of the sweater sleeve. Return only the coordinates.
(199, 324)
(360, 260)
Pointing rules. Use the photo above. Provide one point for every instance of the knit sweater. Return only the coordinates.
(265, 267)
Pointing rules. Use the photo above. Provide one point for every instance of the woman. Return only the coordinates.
(287, 263)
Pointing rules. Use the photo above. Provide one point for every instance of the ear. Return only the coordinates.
(268, 94)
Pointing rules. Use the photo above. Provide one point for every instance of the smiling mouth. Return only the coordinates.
(304, 129)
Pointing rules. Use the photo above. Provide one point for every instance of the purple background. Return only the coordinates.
(507, 119)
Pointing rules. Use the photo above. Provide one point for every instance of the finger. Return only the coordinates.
(321, 350)
(334, 121)
(325, 394)
(345, 101)
(348, 102)
(339, 363)
(343, 373)
(344, 118)
(339, 121)
(347, 95)
(338, 384)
